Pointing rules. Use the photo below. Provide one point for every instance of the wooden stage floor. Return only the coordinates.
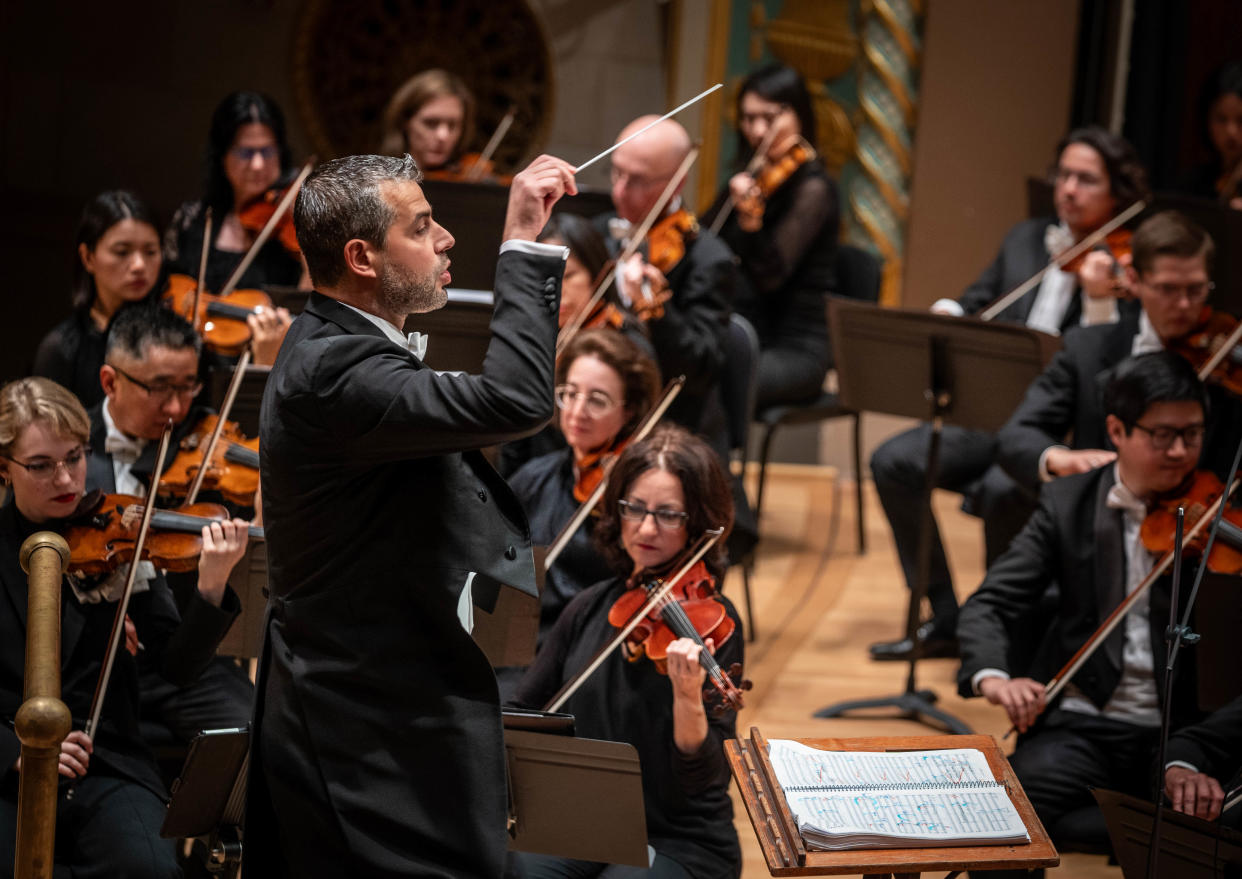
(818, 604)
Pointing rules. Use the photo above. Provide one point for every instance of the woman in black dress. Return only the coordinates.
(664, 493)
(785, 243)
(118, 261)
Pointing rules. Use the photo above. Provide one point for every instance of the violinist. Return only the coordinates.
(690, 334)
(110, 827)
(247, 156)
(149, 379)
(783, 229)
(431, 117)
(1220, 109)
(605, 386)
(1171, 276)
(118, 261)
(664, 493)
(1096, 175)
(1085, 537)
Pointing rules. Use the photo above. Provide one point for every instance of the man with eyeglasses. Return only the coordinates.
(689, 338)
(1096, 175)
(150, 377)
(1085, 537)
(1058, 428)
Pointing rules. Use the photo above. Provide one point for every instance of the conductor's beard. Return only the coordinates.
(403, 291)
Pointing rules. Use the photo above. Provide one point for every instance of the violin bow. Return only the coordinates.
(706, 542)
(266, 232)
(239, 372)
(700, 96)
(1088, 242)
(476, 171)
(635, 241)
(202, 267)
(1076, 662)
(1222, 351)
(756, 161)
(122, 605)
(575, 522)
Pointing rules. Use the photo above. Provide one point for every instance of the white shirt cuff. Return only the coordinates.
(1099, 310)
(534, 248)
(948, 306)
(1181, 763)
(1044, 475)
(986, 673)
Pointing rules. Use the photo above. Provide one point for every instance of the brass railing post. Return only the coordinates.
(44, 720)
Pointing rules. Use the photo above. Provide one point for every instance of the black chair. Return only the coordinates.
(737, 391)
(859, 273)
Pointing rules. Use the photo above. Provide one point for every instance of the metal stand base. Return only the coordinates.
(911, 705)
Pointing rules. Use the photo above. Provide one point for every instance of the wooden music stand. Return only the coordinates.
(786, 855)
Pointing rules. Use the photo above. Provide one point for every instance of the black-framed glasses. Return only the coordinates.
(1162, 437)
(45, 468)
(596, 403)
(669, 520)
(163, 390)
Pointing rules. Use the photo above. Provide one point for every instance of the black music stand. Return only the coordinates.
(575, 798)
(1190, 848)
(949, 370)
(208, 800)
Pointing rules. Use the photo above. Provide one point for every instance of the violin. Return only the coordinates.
(666, 246)
(233, 470)
(104, 535)
(469, 168)
(1203, 488)
(1116, 243)
(221, 320)
(591, 469)
(258, 212)
(691, 610)
(771, 176)
(1212, 348)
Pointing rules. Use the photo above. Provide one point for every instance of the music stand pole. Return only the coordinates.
(913, 703)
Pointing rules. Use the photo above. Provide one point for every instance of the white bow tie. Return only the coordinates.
(1121, 498)
(120, 446)
(417, 344)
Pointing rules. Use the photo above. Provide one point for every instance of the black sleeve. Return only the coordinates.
(690, 337)
(1043, 418)
(543, 679)
(53, 360)
(1214, 745)
(708, 768)
(180, 645)
(1012, 587)
(771, 254)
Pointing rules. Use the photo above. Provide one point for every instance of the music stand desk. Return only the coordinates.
(786, 855)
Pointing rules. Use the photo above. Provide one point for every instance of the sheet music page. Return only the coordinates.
(799, 767)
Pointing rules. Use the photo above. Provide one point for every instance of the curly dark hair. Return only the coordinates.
(639, 375)
(1127, 178)
(709, 501)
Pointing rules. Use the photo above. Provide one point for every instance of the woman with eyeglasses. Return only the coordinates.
(664, 493)
(782, 225)
(118, 261)
(110, 826)
(604, 387)
(247, 155)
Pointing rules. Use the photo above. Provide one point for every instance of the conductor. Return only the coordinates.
(377, 746)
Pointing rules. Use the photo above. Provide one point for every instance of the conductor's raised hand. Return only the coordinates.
(534, 191)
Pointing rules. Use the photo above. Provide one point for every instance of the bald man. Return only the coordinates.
(689, 337)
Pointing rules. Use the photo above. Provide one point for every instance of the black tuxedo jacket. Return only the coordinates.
(1214, 745)
(179, 645)
(379, 748)
(1021, 256)
(1073, 539)
(1066, 404)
